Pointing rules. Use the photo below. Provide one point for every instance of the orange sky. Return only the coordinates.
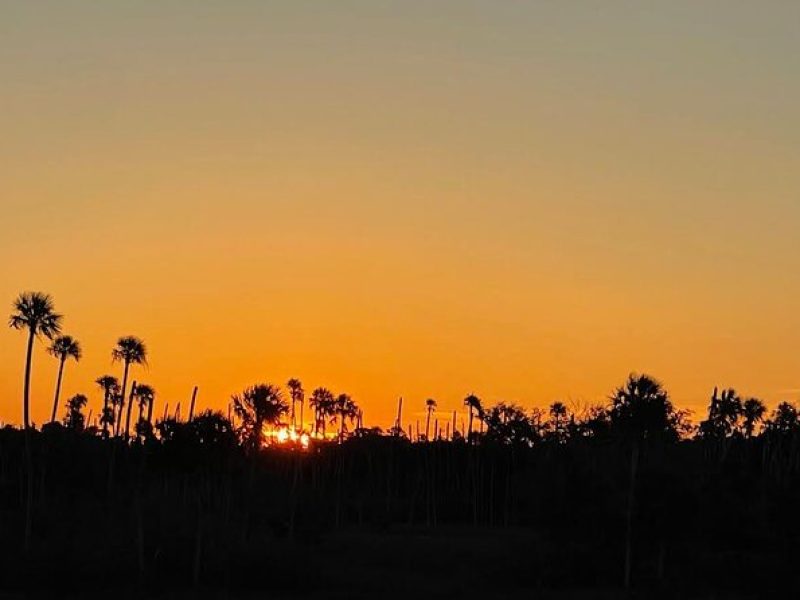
(522, 200)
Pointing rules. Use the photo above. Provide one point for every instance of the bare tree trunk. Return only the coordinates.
(301, 415)
(191, 406)
(128, 413)
(26, 392)
(58, 389)
(399, 415)
(105, 411)
(28, 451)
(118, 420)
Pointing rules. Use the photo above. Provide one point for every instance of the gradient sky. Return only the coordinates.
(525, 200)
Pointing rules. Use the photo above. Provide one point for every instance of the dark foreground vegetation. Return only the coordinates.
(624, 499)
(380, 515)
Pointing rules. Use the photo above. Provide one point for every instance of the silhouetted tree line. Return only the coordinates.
(624, 495)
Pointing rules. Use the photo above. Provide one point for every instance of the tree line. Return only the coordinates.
(641, 406)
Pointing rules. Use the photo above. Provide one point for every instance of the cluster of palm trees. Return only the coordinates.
(34, 312)
(265, 404)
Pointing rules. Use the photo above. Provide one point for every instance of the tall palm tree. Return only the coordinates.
(129, 350)
(256, 406)
(345, 409)
(430, 406)
(297, 394)
(35, 312)
(322, 401)
(110, 386)
(475, 408)
(63, 347)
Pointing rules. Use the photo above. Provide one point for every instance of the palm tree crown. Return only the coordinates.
(64, 347)
(322, 401)
(110, 386)
(35, 311)
(297, 394)
(256, 406)
(345, 408)
(130, 350)
(642, 409)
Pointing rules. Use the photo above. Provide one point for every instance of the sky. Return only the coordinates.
(419, 198)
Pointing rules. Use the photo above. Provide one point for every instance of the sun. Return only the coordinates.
(286, 435)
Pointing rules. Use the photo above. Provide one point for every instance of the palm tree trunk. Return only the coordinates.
(26, 392)
(28, 452)
(128, 414)
(191, 406)
(58, 388)
(301, 415)
(105, 412)
(427, 425)
(118, 420)
(150, 412)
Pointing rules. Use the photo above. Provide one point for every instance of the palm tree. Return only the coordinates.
(784, 419)
(145, 396)
(322, 400)
(475, 408)
(345, 409)
(63, 347)
(430, 406)
(641, 409)
(75, 419)
(753, 411)
(130, 350)
(297, 394)
(33, 311)
(256, 406)
(110, 386)
(724, 413)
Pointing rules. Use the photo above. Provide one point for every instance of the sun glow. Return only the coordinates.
(286, 435)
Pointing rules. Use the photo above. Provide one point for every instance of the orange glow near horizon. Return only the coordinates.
(525, 201)
(286, 435)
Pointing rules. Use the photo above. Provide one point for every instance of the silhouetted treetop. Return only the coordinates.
(641, 409)
(35, 311)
